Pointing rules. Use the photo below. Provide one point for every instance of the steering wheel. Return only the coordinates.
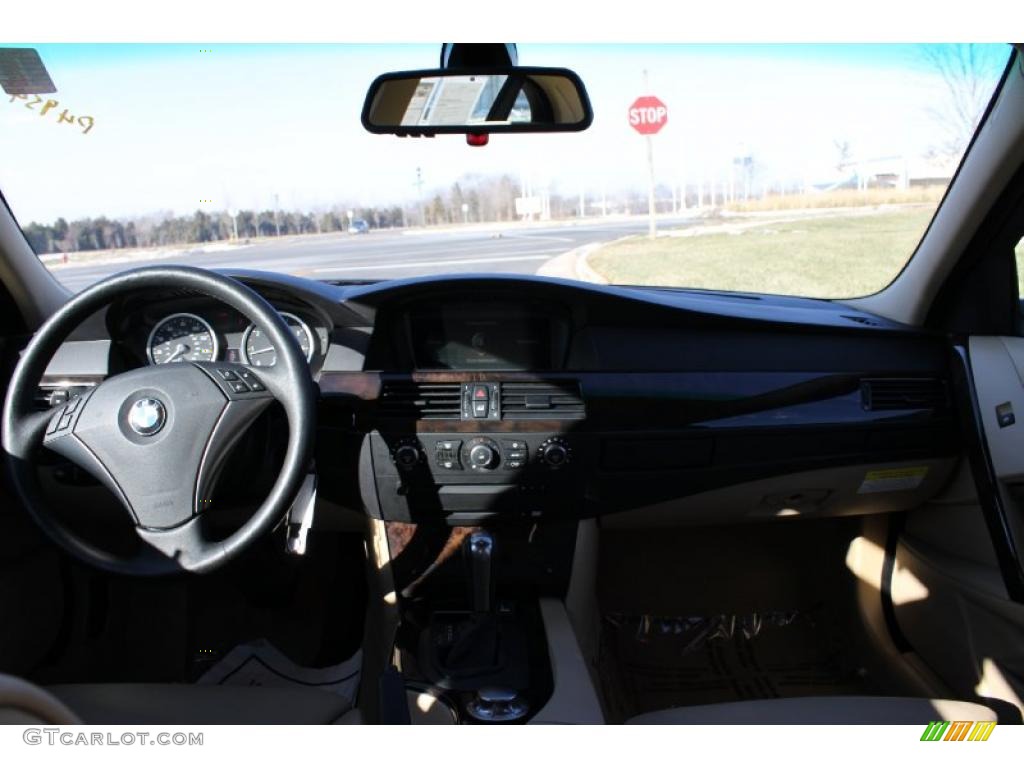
(158, 435)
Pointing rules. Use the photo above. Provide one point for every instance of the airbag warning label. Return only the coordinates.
(886, 480)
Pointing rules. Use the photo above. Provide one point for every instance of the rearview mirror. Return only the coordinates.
(493, 100)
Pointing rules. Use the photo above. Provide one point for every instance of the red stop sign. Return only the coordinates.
(648, 114)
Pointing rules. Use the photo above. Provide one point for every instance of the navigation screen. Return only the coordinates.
(484, 339)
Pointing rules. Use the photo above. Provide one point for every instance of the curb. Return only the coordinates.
(573, 265)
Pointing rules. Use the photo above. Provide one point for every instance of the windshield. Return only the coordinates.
(805, 170)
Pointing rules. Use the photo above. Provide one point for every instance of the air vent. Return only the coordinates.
(420, 400)
(541, 400)
(862, 320)
(902, 394)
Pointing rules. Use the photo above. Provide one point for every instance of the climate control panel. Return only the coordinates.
(463, 476)
(484, 454)
(474, 457)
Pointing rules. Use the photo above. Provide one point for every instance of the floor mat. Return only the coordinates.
(648, 663)
(260, 663)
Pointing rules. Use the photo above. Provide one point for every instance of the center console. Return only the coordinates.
(479, 479)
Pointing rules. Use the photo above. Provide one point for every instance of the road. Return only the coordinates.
(386, 254)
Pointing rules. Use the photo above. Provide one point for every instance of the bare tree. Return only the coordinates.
(968, 72)
(844, 154)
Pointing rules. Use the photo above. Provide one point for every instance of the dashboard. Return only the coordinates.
(457, 399)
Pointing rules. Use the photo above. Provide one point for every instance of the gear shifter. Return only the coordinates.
(480, 554)
(485, 648)
(476, 648)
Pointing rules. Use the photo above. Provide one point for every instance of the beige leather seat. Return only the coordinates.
(821, 710)
(23, 703)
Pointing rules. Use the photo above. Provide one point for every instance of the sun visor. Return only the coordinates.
(22, 72)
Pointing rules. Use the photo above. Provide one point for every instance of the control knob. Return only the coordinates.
(554, 452)
(407, 455)
(483, 454)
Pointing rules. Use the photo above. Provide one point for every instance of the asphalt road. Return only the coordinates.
(389, 255)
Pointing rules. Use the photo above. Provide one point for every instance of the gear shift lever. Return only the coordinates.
(480, 553)
(483, 651)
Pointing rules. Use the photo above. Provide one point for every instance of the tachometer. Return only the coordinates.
(257, 349)
(181, 337)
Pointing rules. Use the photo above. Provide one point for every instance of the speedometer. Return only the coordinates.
(257, 349)
(181, 337)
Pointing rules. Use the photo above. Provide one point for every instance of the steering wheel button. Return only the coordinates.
(65, 421)
(238, 387)
(250, 378)
(227, 374)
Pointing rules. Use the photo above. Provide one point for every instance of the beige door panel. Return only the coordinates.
(959, 620)
(998, 365)
(949, 595)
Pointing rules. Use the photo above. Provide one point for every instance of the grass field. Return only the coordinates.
(825, 256)
(841, 198)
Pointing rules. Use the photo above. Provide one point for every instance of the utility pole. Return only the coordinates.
(277, 207)
(652, 229)
(419, 196)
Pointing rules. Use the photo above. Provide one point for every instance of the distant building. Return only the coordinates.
(893, 172)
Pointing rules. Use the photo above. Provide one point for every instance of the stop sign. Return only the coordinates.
(648, 114)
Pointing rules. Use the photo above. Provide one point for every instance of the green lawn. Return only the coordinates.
(835, 257)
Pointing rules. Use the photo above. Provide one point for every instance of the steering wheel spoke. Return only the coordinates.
(178, 545)
(35, 426)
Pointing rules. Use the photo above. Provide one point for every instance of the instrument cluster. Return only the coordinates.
(195, 337)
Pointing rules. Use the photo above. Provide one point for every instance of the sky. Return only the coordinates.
(243, 126)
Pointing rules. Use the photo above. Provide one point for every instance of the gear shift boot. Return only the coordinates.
(467, 651)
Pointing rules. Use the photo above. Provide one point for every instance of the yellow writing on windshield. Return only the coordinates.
(86, 122)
